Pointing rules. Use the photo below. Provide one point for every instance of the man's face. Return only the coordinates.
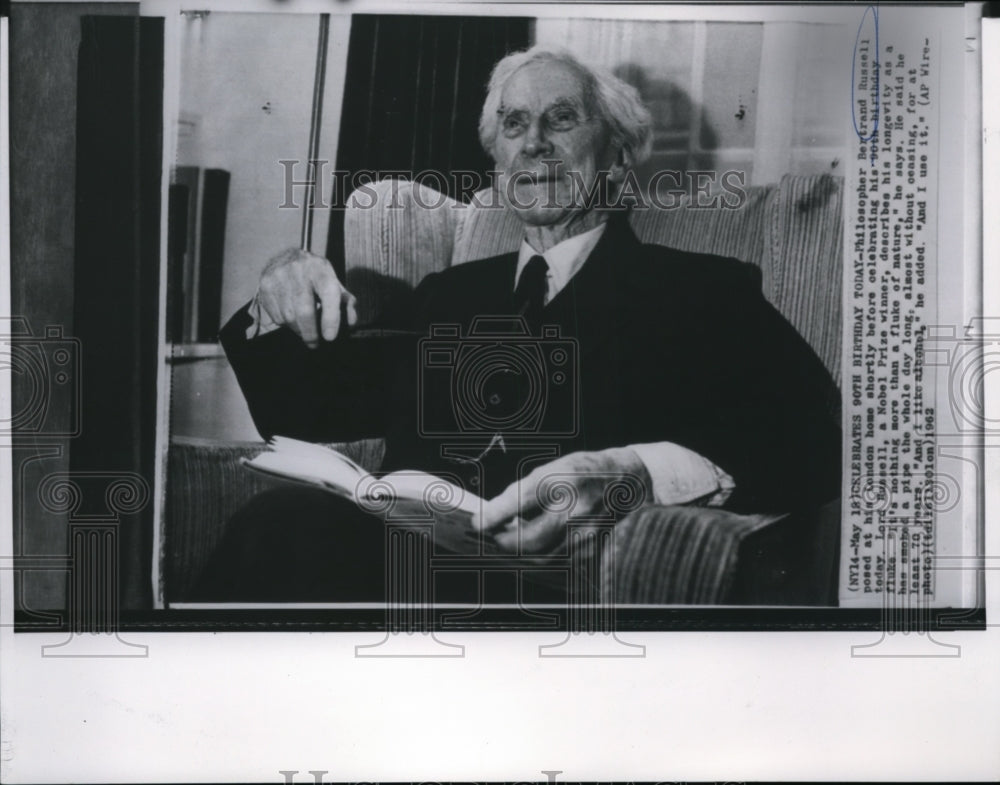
(544, 117)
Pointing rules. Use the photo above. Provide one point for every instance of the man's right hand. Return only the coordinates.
(300, 290)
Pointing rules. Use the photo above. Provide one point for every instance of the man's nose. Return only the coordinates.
(536, 140)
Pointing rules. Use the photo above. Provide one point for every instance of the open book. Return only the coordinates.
(403, 497)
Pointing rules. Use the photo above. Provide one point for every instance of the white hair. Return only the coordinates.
(617, 102)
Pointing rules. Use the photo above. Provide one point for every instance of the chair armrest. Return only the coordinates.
(667, 555)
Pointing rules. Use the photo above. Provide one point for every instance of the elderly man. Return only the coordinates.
(688, 383)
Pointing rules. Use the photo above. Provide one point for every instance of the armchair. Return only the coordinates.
(790, 230)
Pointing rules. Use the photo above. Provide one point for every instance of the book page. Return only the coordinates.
(330, 473)
(319, 452)
(436, 492)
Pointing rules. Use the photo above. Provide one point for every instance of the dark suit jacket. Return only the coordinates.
(659, 344)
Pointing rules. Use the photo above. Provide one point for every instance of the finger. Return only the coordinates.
(533, 536)
(497, 510)
(508, 538)
(271, 306)
(329, 292)
(352, 308)
(501, 508)
(305, 318)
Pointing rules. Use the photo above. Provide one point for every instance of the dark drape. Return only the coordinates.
(44, 44)
(211, 253)
(116, 261)
(412, 97)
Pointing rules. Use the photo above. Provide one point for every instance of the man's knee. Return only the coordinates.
(287, 516)
(296, 543)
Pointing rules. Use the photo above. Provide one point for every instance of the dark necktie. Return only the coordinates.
(529, 296)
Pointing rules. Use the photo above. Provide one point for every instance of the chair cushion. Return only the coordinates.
(395, 233)
(208, 484)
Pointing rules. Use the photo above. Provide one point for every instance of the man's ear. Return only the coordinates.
(620, 165)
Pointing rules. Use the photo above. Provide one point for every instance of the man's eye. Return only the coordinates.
(512, 124)
(563, 119)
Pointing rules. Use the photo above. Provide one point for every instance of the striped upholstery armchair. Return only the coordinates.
(791, 231)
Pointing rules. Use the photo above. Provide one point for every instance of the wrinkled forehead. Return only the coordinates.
(538, 86)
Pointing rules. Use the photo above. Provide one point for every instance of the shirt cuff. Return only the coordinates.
(260, 322)
(682, 476)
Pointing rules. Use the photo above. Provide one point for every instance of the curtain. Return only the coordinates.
(414, 89)
(117, 270)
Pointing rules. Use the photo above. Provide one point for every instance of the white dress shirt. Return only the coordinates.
(564, 259)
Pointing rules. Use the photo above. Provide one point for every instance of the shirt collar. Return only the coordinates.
(564, 259)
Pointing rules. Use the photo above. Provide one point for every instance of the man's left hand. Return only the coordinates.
(531, 515)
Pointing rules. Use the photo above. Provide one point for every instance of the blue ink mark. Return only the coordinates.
(877, 66)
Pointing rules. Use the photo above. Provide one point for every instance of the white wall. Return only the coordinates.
(245, 102)
(769, 91)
